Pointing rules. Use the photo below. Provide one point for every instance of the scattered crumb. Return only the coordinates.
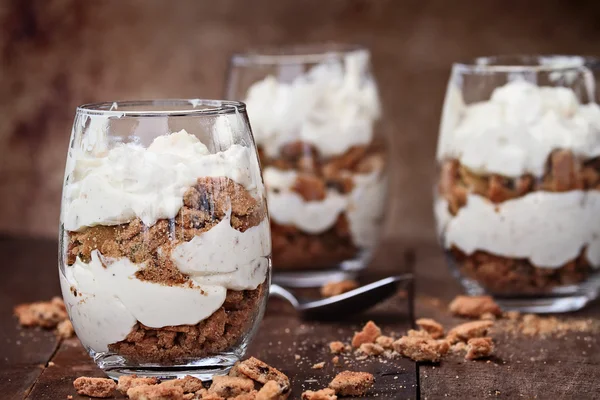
(469, 330)
(335, 288)
(335, 360)
(323, 394)
(51, 363)
(297, 357)
(421, 349)
(155, 392)
(230, 386)
(65, 330)
(94, 387)
(479, 348)
(189, 384)
(385, 341)
(69, 397)
(474, 306)
(261, 372)
(371, 349)
(336, 347)
(432, 327)
(458, 347)
(420, 333)
(349, 383)
(318, 365)
(369, 334)
(127, 382)
(46, 314)
(270, 391)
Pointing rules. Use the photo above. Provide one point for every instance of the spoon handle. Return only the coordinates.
(282, 293)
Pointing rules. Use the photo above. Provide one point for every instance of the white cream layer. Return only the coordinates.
(128, 181)
(364, 206)
(514, 132)
(548, 229)
(112, 299)
(333, 106)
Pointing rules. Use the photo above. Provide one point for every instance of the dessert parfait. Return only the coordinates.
(314, 117)
(518, 198)
(165, 240)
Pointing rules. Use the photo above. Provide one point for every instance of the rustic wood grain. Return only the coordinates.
(566, 367)
(57, 54)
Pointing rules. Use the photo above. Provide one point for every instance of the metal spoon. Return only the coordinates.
(351, 302)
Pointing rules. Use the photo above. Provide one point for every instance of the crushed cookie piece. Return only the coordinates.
(421, 349)
(420, 333)
(323, 394)
(155, 392)
(474, 306)
(127, 382)
(229, 386)
(46, 314)
(261, 372)
(458, 347)
(479, 348)
(488, 316)
(432, 327)
(65, 330)
(188, 383)
(249, 396)
(94, 387)
(319, 365)
(469, 330)
(385, 341)
(310, 187)
(371, 349)
(512, 315)
(271, 391)
(349, 383)
(369, 334)
(336, 347)
(336, 288)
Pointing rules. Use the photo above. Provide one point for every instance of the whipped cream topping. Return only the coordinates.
(333, 106)
(514, 132)
(111, 187)
(111, 299)
(548, 229)
(364, 206)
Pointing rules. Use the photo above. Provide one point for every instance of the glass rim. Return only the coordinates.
(152, 108)
(295, 54)
(527, 63)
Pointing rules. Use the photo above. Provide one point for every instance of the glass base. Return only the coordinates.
(316, 278)
(558, 300)
(205, 368)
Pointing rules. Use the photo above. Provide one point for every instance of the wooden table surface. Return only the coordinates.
(35, 365)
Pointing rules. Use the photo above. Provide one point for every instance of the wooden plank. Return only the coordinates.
(15, 382)
(523, 367)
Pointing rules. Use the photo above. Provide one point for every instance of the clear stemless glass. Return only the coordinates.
(314, 111)
(165, 246)
(518, 196)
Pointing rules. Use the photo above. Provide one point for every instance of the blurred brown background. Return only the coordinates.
(57, 54)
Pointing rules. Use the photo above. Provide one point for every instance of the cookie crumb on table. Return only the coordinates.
(230, 386)
(261, 372)
(479, 348)
(385, 341)
(421, 349)
(188, 383)
(469, 330)
(431, 326)
(336, 347)
(270, 391)
(371, 349)
(45, 314)
(336, 288)
(319, 365)
(156, 392)
(94, 387)
(323, 394)
(474, 306)
(349, 383)
(369, 334)
(127, 382)
(65, 330)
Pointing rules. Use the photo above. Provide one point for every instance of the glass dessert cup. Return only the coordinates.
(165, 246)
(314, 113)
(517, 202)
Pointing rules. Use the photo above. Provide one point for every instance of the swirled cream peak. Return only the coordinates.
(333, 106)
(130, 181)
(516, 130)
